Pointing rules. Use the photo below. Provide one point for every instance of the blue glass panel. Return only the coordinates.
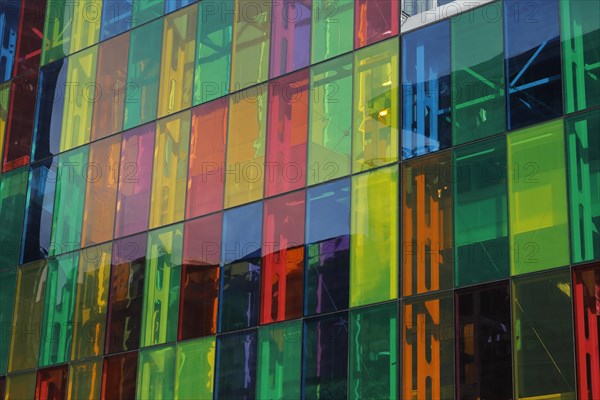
(426, 91)
(116, 17)
(9, 24)
(236, 366)
(173, 5)
(328, 247)
(533, 62)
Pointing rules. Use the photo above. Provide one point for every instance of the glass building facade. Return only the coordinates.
(317, 199)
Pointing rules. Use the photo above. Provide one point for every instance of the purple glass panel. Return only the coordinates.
(290, 36)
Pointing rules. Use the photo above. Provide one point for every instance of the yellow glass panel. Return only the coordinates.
(85, 30)
(20, 386)
(4, 99)
(177, 64)
(85, 379)
(169, 179)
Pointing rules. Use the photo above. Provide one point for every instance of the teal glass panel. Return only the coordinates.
(13, 192)
(8, 282)
(332, 28)
(156, 373)
(146, 10)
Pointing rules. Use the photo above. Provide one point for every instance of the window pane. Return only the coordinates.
(9, 15)
(85, 379)
(174, 5)
(194, 376)
(375, 20)
(543, 336)
(290, 36)
(29, 46)
(236, 366)
(21, 386)
(478, 103)
(146, 10)
(85, 25)
(428, 262)
(375, 128)
(481, 250)
(426, 90)
(537, 187)
(118, 376)
(156, 373)
(8, 281)
(332, 28)
(13, 191)
(374, 240)
(330, 144)
(116, 17)
(4, 104)
(52, 383)
(57, 31)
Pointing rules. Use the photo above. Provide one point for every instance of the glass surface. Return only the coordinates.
(580, 34)
(52, 383)
(279, 361)
(57, 30)
(9, 15)
(325, 357)
(85, 25)
(195, 369)
(118, 376)
(478, 99)
(543, 336)
(374, 240)
(85, 380)
(330, 126)
(8, 280)
(537, 188)
(373, 351)
(282, 268)
(481, 252)
(29, 43)
(206, 177)
(141, 90)
(177, 65)
(332, 28)
(13, 192)
(4, 105)
(326, 277)
(287, 130)
(375, 20)
(161, 287)
(174, 5)
(21, 386)
(236, 366)
(127, 272)
(583, 144)
(426, 90)
(290, 36)
(427, 259)
(116, 17)
(169, 176)
(156, 373)
(244, 170)
(146, 10)
(375, 130)
(428, 347)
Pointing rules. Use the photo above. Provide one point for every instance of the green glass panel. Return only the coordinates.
(481, 212)
(68, 201)
(56, 336)
(156, 373)
(375, 131)
(373, 351)
(330, 144)
(213, 51)
(478, 103)
(374, 237)
(8, 281)
(332, 28)
(195, 369)
(13, 193)
(537, 187)
(279, 361)
(27, 316)
(583, 141)
(543, 337)
(4, 102)
(57, 30)
(161, 285)
(85, 380)
(20, 386)
(143, 75)
(146, 10)
(580, 34)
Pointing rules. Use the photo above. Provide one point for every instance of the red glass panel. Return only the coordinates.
(2, 386)
(29, 39)
(287, 133)
(119, 376)
(52, 383)
(283, 258)
(375, 20)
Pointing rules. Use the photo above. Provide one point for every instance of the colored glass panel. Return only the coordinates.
(141, 90)
(195, 369)
(135, 179)
(581, 53)
(156, 373)
(250, 48)
(85, 380)
(287, 132)
(375, 20)
(427, 259)
(27, 318)
(9, 15)
(29, 43)
(57, 31)
(161, 286)
(177, 65)
(478, 101)
(543, 336)
(375, 138)
(169, 177)
(428, 347)
(279, 361)
(85, 24)
(537, 188)
(244, 170)
(125, 294)
(374, 240)
(330, 126)
(481, 250)
(13, 191)
(328, 248)
(290, 36)
(213, 50)
(236, 366)
(118, 376)
(4, 103)
(8, 280)
(373, 350)
(174, 5)
(146, 10)
(325, 357)
(52, 383)
(116, 17)
(426, 90)
(206, 177)
(20, 386)
(583, 143)
(332, 28)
